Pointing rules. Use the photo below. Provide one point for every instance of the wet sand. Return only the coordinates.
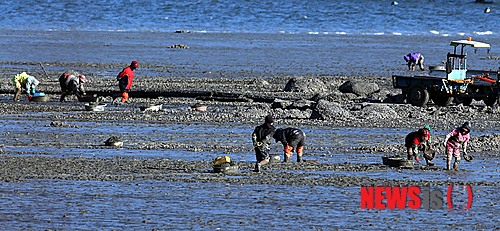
(250, 71)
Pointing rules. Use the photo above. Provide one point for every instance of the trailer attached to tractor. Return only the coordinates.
(453, 81)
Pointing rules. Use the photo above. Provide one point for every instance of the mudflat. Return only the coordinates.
(241, 79)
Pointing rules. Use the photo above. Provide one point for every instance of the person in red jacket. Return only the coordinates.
(125, 79)
(418, 140)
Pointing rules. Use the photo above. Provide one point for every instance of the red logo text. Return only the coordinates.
(412, 197)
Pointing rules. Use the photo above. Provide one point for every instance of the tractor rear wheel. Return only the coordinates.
(490, 100)
(442, 100)
(467, 101)
(464, 101)
(418, 96)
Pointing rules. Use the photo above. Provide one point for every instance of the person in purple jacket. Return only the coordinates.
(413, 59)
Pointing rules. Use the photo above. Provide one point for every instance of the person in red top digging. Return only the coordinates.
(414, 141)
(125, 78)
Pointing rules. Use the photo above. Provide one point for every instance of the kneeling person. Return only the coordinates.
(413, 59)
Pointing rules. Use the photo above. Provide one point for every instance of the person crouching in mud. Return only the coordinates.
(413, 59)
(419, 140)
(71, 82)
(291, 138)
(456, 139)
(261, 138)
(25, 82)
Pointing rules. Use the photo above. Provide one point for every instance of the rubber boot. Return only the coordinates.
(78, 96)
(288, 153)
(124, 97)
(257, 167)
(63, 96)
(299, 153)
(17, 96)
(114, 96)
(455, 165)
(409, 157)
(429, 156)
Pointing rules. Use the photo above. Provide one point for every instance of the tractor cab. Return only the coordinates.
(456, 62)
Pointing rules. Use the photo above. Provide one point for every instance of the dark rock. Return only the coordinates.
(306, 85)
(279, 103)
(259, 82)
(61, 124)
(378, 112)
(179, 46)
(302, 105)
(329, 110)
(394, 98)
(114, 141)
(340, 97)
(359, 88)
(57, 124)
(289, 104)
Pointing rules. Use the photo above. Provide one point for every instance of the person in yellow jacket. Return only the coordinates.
(26, 82)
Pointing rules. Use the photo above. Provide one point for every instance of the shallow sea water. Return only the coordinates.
(148, 205)
(132, 205)
(189, 142)
(278, 16)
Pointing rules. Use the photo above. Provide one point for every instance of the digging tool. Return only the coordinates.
(44, 71)
(468, 157)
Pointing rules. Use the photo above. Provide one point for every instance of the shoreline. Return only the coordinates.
(231, 55)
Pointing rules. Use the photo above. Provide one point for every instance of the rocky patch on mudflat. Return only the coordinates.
(327, 101)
